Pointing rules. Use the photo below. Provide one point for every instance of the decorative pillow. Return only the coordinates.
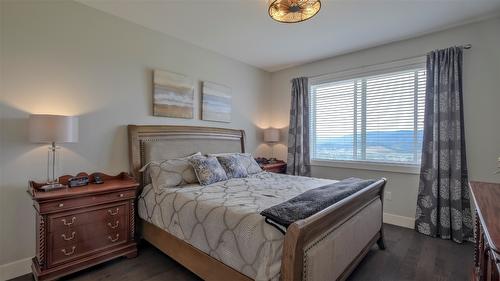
(245, 159)
(171, 173)
(233, 167)
(207, 169)
(250, 164)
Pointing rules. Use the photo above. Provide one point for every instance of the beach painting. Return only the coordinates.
(173, 95)
(216, 102)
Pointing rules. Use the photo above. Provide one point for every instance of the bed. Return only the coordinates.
(216, 231)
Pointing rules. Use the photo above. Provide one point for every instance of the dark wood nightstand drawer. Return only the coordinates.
(79, 249)
(67, 204)
(277, 167)
(61, 223)
(64, 237)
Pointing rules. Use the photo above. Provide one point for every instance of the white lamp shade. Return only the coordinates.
(45, 128)
(271, 135)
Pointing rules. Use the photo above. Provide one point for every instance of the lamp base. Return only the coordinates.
(52, 186)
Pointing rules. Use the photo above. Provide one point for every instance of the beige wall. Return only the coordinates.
(481, 98)
(66, 58)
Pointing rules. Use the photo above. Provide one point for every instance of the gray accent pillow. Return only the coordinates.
(233, 166)
(207, 169)
(246, 159)
(171, 172)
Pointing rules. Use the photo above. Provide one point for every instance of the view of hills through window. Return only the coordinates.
(377, 118)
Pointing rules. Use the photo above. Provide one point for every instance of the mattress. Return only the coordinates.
(224, 221)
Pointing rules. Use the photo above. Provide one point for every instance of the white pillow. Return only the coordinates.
(246, 159)
(171, 172)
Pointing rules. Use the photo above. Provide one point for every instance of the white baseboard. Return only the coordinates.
(15, 269)
(399, 220)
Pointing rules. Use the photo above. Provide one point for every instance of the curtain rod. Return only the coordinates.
(465, 46)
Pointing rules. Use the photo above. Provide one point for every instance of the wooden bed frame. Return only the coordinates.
(298, 235)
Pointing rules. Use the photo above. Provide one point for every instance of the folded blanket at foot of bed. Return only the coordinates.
(312, 201)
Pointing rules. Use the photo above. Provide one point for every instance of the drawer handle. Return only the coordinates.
(66, 223)
(114, 240)
(69, 238)
(121, 195)
(113, 226)
(113, 213)
(69, 253)
(61, 205)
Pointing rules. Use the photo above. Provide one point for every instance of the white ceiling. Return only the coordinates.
(241, 29)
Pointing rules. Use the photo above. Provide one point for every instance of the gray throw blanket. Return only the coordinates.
(312, 201)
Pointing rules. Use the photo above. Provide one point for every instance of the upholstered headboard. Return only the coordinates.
(157, 142)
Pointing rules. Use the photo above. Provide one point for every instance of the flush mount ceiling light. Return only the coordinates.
(291, 11)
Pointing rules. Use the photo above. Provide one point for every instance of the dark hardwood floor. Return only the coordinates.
(409, 256)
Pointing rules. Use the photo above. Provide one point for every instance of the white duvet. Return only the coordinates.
(224, 221)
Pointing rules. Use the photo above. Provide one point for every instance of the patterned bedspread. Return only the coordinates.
(223, 219)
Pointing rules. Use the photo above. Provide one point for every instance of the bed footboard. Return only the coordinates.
(331, 243)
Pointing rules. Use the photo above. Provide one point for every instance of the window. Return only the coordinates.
(377, 118)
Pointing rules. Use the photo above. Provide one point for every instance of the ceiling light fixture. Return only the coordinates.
(292, 11)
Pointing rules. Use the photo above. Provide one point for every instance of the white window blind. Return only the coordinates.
(376, 118)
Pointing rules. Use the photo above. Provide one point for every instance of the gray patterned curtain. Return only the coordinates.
(443, 204)
(298, 130)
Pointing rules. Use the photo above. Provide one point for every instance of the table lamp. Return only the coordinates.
(45, 128)
(272, 135)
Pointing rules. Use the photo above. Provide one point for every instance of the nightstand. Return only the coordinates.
(83, 226)
(276, 167)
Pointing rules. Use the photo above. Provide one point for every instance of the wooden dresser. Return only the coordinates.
(487, 253)
(82, 226)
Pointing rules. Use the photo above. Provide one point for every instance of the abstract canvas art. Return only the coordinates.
(216, 101)
(173, 95)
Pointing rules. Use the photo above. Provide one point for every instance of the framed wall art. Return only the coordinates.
(173, 95)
